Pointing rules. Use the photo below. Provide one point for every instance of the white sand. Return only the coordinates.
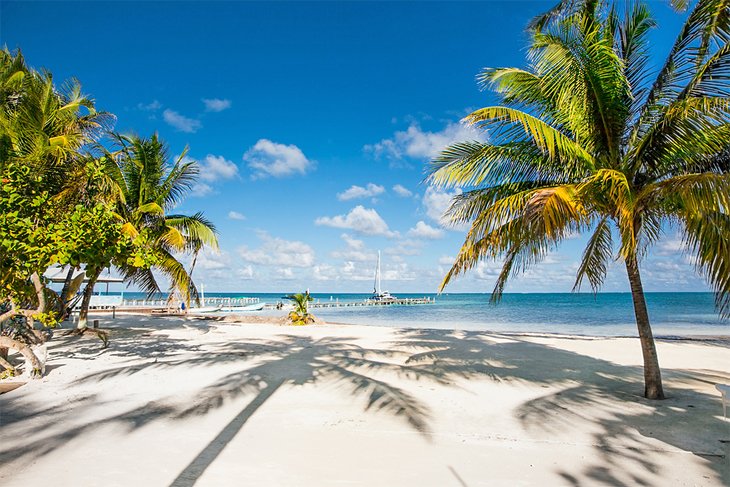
(183, 402)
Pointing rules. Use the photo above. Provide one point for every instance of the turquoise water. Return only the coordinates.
(606, 314)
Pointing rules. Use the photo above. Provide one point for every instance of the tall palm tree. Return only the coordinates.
(588, 139)
(150, 188)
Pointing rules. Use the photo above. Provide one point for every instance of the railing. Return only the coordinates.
(373, 302)
(163, 303)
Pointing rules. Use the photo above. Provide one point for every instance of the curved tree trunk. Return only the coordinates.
(84, 311)
(652, 374)
(26, 352)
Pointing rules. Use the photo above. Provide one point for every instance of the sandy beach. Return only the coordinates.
(177, 401)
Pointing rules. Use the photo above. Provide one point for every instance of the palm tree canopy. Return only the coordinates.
(150, 188)
(588, 139)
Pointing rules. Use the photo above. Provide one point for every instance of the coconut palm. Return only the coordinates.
(151, 187)
(588, 139)
(300, 314)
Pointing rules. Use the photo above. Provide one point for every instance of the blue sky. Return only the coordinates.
(312, 123)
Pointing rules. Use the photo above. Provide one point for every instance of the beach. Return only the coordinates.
(182, 401)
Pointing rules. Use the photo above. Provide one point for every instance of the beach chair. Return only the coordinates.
(725, 392)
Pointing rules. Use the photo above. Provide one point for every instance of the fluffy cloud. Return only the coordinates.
(201, 189)
(153, 106)
(415, 143)
(355, 250)
(359, 192)
(277, 251)
(424, 230)
(405, 247)
(214, 168)
(447, 260)
(267, 158)
(181, 122)
(436, 202)
(216, 104)
(234, 215)
(399, 272)
(361, 220)
(402, 191)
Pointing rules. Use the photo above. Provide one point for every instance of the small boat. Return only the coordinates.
(248, 307)
(378, 293)
(205, 309)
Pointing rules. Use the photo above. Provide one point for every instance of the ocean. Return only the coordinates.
(604, 314)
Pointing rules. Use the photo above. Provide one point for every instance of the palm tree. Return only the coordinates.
(150, 186)
(588, 140)
(300, 314)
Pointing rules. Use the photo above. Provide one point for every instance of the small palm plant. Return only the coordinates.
(300, 314)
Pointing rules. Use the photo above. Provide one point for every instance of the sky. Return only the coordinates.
(313, 124)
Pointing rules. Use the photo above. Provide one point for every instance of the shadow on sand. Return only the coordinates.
(626, 425)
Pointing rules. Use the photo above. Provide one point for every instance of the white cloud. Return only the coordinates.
(672, 245)
(209, 259)
(277, 251)
(447, 260)
(284, 274)
(415, 143)
(399, 272)
(324, 272)
(234, 215)
(216, 104)
(405, 247)
(402, 191)
(355, 250)
(361, 220)
(352, 271)
(268, 158)
(246, 273)
(436, 202)
(214, 168)
(201, 189)
(424, 230)
(359, 192)
(181, 122)
(149, 107)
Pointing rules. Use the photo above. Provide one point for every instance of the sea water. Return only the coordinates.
(604, 314)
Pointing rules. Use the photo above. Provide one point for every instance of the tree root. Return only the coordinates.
(101, 334)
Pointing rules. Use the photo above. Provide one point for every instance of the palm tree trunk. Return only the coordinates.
(66, 289)
(652, 374)
(84, 311)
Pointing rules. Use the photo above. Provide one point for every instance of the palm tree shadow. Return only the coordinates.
(265, 366)
(592, 391)
(298, 361)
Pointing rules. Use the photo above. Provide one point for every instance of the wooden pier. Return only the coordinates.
(373, 302)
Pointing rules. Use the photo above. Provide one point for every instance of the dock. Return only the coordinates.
(373, 302)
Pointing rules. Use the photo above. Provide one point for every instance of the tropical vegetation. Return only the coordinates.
(300, 315)
(66, 200)
(589, 139)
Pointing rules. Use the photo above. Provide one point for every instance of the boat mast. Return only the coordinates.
(378, 274)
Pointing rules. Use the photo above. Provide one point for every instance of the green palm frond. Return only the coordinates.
(596, 257)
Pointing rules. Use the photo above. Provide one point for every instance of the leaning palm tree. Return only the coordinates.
(147, 186)
(152, 187)
(587, 139)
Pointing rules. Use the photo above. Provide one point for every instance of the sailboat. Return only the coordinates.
(378, 293)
